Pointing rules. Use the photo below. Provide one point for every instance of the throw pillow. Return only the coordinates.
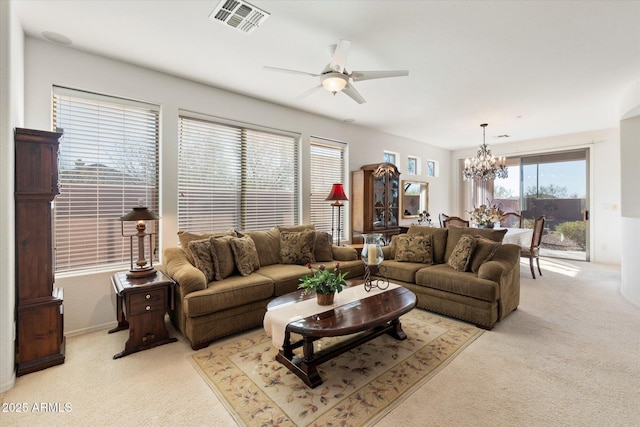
(267, 244)
(297, 248)
(245, 255)
(414, 248)
(201, 253)
(323, 251)
(461, 255)
(484, 250)
(224, 263)
(185, 237)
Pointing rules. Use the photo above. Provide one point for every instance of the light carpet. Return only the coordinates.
(360, 386)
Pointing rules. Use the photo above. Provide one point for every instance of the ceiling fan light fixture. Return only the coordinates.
(334, 82)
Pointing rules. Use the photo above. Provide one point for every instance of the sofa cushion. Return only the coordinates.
(185, 237)
(234, 291)
(456, 232)
(267, 244)
(322, 251)
(401, 270)
(201, 253)
(245, 255)
(414, 248)
(297, 247)
(483, 252)
(224, 263)
(439, 242)
(285, 277)
(297, 228)
(461, 255)
(445, 278)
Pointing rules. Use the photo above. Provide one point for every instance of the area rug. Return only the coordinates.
(359, 388)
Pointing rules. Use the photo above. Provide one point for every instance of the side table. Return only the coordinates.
(145, 302)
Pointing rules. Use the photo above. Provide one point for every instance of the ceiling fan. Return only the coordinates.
(335, 78)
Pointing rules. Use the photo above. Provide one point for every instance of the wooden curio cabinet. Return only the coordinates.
(40, 340)
(375, 201)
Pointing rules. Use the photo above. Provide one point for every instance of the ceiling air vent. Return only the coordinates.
(239, 14)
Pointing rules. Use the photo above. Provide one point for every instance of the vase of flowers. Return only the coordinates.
(485, 216)
(325, 282)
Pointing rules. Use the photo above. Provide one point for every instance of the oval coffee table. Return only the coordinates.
(373, 316)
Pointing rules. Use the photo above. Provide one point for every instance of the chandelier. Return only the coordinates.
(484, 166)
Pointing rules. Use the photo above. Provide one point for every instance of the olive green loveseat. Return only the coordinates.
(226, 279)
(478, 283)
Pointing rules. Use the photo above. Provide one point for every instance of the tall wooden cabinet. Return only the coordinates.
(375, 201)
(40, 339)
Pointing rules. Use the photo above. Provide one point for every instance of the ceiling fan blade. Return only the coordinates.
(354, 94)
(368, 75)
(286, 70)
(308, 92)
(339, 58)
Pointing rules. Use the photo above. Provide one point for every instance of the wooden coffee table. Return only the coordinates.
(369, 318)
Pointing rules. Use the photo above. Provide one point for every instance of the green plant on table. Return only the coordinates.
(323, 280)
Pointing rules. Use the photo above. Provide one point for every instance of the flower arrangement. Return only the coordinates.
(425, 217)
(324, 281)
(486, 215)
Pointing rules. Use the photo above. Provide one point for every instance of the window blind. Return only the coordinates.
(327, 168)
(108, 163)
(235, 177)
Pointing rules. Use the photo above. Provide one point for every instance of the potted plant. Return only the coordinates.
(486, 216)
(324, 282)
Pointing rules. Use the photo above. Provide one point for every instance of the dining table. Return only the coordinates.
(518, 236)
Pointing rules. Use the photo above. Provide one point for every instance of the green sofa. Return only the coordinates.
(222, 288)
(483, 289)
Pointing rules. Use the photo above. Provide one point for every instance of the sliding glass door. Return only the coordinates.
(555, 186)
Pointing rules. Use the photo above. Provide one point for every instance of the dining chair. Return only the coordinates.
(534, 250)
(455, 221)
(442, 217)
(511, 220)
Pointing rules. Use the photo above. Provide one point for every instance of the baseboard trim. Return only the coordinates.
(108, 325)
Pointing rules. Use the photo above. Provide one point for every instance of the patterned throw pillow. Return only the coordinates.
(245, 255)
(224, 263)
(484, 250)
(185, 237)
(201, 253)
(414, 248)
(461, 255)
(297, 248)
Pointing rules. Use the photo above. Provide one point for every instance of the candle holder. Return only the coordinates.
(372, 257)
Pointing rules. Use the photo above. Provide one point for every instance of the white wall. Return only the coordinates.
(11, 115)
(89, 303)
(630, 175)
(604, 145)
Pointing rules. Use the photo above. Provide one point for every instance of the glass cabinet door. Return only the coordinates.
(393, 202)
(379, 199)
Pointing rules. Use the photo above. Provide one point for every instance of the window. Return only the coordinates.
(327, 168)
(232, 176)
(390, 157)
(431, 168)
(108, 164)
(412, 165)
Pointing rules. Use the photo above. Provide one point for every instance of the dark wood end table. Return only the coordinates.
(374, 315)
(145, 302)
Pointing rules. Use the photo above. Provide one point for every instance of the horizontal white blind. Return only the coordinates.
(234, 177)
(108, 164)
(327, 168)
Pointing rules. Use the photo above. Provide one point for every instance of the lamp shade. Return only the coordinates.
(140, 213)
(337, 193)
(334, 82)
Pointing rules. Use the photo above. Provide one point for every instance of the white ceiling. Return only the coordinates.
(528, 68)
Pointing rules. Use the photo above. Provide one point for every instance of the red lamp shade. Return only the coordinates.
(337, 193)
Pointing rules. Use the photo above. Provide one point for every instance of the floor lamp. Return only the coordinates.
(336, 196)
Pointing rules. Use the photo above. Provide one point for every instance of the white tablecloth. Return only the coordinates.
(277, 319)
(519, 236)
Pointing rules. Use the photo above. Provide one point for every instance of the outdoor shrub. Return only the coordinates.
(574, 230)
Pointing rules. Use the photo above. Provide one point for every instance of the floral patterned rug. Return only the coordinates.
(360, 386)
